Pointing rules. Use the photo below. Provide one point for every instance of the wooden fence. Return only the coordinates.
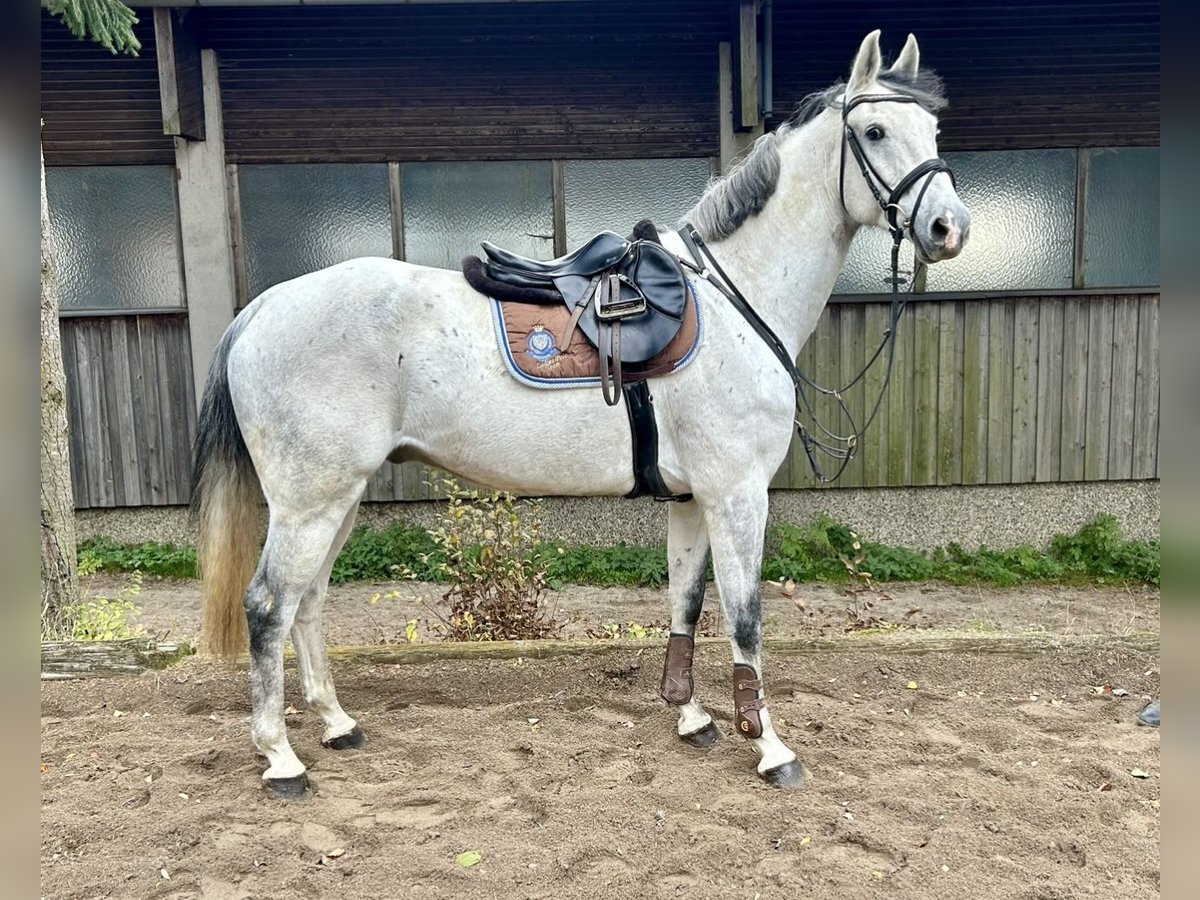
(998, 391)
(984, 391)
(132, 409)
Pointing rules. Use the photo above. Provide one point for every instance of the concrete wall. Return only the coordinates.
(999, 516)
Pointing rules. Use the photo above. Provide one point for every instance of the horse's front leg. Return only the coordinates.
(736, 525)
(687, 560)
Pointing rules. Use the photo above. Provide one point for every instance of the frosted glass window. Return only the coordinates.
(450, 207)
(1022, 206)
(616, 194)
(115, 236)
(868, 265)
(300, 218)
(1120, 243)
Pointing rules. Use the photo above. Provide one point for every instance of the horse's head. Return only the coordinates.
(890, 175)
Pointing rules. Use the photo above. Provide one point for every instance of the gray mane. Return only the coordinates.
(733, 198)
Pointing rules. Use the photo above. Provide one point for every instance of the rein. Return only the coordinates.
(887, 347)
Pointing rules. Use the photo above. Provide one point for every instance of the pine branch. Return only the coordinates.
(107, 22)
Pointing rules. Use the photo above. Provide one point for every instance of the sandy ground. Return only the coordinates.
(996, 777)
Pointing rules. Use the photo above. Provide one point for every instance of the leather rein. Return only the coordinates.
(838, 447)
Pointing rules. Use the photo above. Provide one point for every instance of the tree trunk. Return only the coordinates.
(58, 504)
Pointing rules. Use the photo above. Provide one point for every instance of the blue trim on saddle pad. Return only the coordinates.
(552, 384)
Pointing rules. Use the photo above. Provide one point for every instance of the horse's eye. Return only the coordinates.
(875, 133)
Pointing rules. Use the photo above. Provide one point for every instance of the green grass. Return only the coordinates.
(1097, 554)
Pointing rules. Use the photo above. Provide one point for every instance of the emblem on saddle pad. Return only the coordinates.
(540, 344)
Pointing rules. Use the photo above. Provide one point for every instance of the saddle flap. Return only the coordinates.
(660, 279)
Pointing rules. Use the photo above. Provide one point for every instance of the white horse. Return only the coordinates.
(323, 378)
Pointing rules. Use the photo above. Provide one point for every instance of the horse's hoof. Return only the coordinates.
(704, 738)
(789, 775)
(294, 788)
(351, 740)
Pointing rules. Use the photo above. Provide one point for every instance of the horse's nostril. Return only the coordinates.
(940, 229)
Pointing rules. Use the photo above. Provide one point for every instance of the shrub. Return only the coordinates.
(497, 582)
(164, 560)
(371, 555)
(100, 618)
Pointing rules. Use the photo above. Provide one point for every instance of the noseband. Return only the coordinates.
(891, 204)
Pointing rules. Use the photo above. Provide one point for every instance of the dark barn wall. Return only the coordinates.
(101, 109)
(1020, 73)
(489, 81)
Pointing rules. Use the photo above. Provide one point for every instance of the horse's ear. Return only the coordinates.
(909, 60)
(866, 65)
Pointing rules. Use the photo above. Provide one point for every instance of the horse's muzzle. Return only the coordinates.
(945, 234)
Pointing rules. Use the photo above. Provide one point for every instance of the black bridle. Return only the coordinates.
(899, 225)
(890, 205)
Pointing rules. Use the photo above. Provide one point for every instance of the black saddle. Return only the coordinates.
(626, 296)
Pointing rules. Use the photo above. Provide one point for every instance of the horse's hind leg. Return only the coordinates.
(296, 550)
(736, 526)
(687, 560)
(308, 637)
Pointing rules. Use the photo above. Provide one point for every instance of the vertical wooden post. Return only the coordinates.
(204, 224)
(733, 142)
(181, 86)
(559, 190)
(1082, 170)
(746, 98)
(396, 205)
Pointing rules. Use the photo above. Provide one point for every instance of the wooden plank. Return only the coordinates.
(976, 338)
(1124, 388)
(919, 641)
(851, 322)
(79, 659)
(1082, 172)
(949, 420)
(152, 424)
(166, 412)
(746, 67)
(829, 372)
(1074, 389)
(396, 207)
(180, 82)
(559, 201)
(100, 476)
(999, 401)
(900, 403)
(126, 462)
(78, 448)
(381, 486)
(1146, 391)
(925, 396)
(173, 367)
(183, 394)
(1024, 387)
(801, 472)
(1048, 456)
(141, 411)
(1099, 389)
(811, 362)
(875, 448)
(237, 238)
